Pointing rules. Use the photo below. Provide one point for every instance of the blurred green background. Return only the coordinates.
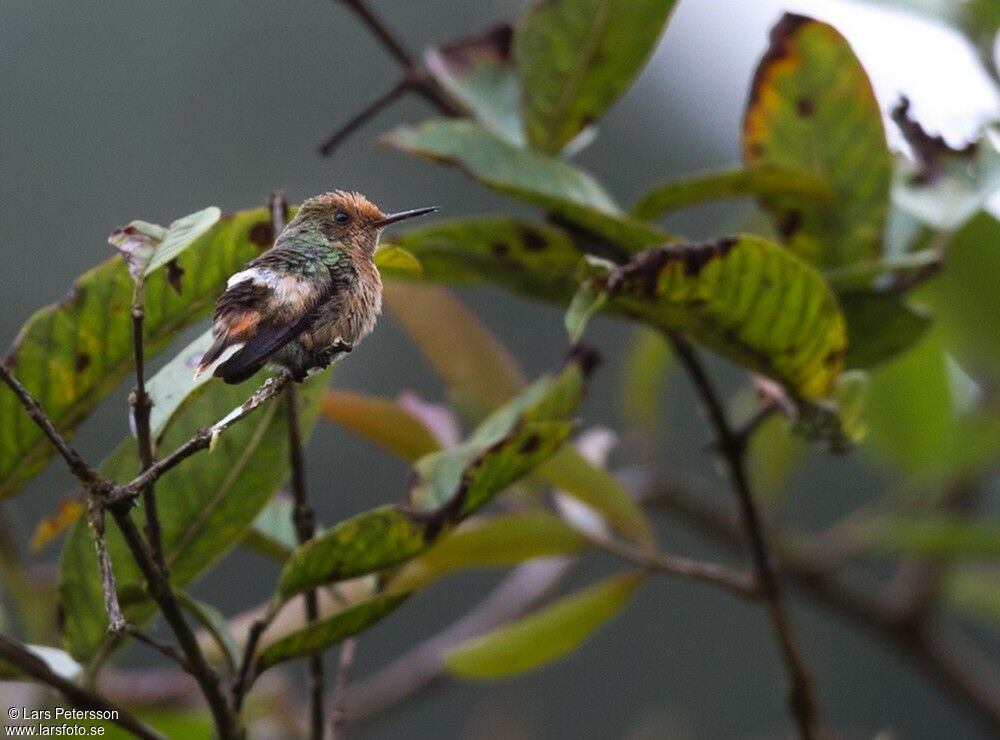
(120, 110)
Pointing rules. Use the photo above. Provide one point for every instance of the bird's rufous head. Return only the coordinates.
(351, 218)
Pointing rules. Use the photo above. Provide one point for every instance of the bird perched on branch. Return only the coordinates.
(312, 296)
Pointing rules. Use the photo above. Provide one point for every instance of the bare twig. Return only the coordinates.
(364, 116)
(163, 648)
(18, 655)
(716, 574)
(344, 666)
(802, 697)
(226, 719)
(268, 390)
(386, 37)
(142, 404)
(95, 521)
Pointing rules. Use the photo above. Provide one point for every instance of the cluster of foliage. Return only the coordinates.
(838, 308)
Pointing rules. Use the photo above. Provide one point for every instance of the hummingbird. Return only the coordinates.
(308, 299)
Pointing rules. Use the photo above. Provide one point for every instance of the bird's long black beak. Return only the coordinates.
(403, 215)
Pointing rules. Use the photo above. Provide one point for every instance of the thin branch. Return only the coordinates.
(802, 696)
(142, 404)
(95, 522)
(268, 390)
(966, 674)
(364, 116)
(18, 655)
(716, 574)
(244, 678)
(344, 665)
(385, 36)
(169, 651)
(226, 719)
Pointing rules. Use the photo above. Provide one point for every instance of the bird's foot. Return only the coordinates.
(328, 355)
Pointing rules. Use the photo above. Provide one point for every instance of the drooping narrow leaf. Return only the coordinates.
(545, 635)
(812, 107)
(756, 181)
(748, 299)
(535, 178)
(576, 57)
(585, 304)
(324, 633)
(72, 354)
(495, 542)
(213, 498)
(480, 72)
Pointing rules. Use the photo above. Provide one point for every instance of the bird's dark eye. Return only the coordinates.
(341, 217)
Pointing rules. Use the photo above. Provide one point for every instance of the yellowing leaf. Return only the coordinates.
(395, 262)
(812, 108)
(544, 636)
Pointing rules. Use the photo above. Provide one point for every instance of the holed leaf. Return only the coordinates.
(545, 635)
(812, 107)
(323, 633)
(576, 57)
(71, 355)
(540, 180)
(746, 298)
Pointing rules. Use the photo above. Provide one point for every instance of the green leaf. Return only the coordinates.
(360, 545)
(212, 620)
(478, 371)
(535, 178)
(73, 354)
(880, 326)
(812, 107)
(645, 372)
(395, 262)
(585, 304)
(572, 474)
(181, 234)
(748, 299)
(175, 386)
(324, 633)
(208, 503)
(765, 180)
(544, 636)
(495, 542)
(965, 299)
(380, 420)
(576, 57)
(272, 533)
(974, 591)
(479, 72)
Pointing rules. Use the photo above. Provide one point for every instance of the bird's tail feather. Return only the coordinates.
(212, 354)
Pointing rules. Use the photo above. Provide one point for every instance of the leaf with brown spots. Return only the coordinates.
(93, 323)
(746, 298)
(812, 108)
